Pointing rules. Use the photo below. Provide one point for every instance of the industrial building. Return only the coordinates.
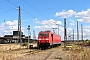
(14, 38)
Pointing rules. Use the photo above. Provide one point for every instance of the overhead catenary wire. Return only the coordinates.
(26, 11)
(21, 9)
(4, 15)
(7, 11)
(11, 3)
(33, 8)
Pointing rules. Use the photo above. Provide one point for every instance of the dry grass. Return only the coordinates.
(6, 55)
(79, 52)
(9, 51)
(76, 52)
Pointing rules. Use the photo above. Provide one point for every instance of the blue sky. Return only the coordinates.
(41, 15)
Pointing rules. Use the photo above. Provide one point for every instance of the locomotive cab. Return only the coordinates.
(47, 39)
(43, 40)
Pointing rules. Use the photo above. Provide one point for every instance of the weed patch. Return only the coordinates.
(58, 57)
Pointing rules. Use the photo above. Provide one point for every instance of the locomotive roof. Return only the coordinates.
(48, 32)
(45, 31)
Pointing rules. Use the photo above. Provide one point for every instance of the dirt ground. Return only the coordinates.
(49, 54)
(57, 53)
(53, 54)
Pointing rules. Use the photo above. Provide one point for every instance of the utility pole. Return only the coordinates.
(54, 30)
(77, 32)
(19, 25)
(34, 36)
(81, 32)
(58, 29)
(65, 33)
(73, 35)
(28, 34)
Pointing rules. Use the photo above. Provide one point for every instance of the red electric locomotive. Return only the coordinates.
(48, 39)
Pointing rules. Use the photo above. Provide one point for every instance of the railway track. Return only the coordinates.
(35, 51)
(36, 54)
(49, 54)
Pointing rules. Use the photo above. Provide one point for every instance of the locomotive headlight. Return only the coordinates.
(47, 39)
(39, 39)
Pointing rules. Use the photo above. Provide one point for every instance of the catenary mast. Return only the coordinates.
(19, 24)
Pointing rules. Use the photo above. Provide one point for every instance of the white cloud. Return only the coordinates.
(72, 22)
(84, 20)
(86, 27)
(86, 30)
(36, 20)
(83, 13)
(9, 26)
(86, 33)
(69, 30)
(65, 14)
(49, 24)
(83, 16)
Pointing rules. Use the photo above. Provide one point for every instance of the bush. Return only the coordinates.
(89, 43)
(25, 44)
(58, 57)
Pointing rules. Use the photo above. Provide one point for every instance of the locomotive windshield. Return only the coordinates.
(43, 34)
